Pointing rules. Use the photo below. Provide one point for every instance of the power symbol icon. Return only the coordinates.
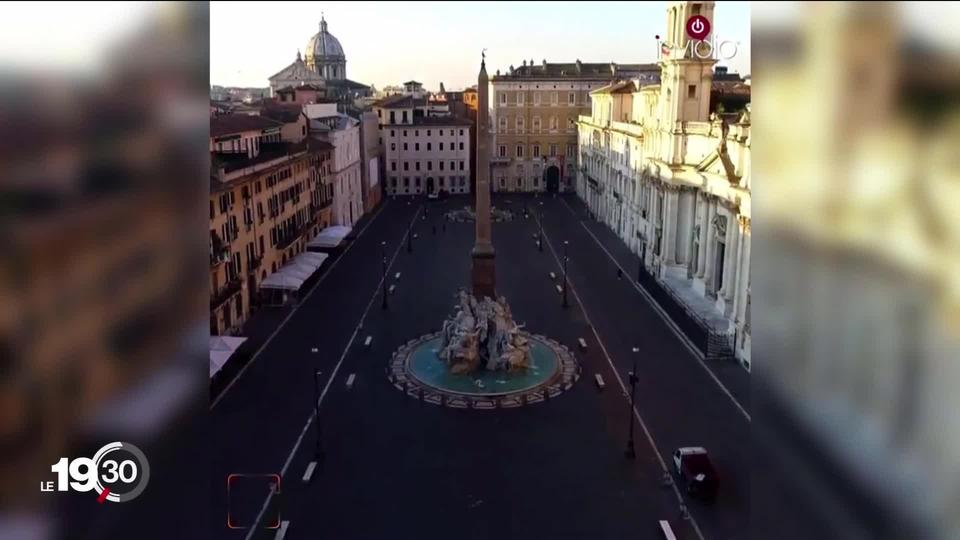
(698, 27)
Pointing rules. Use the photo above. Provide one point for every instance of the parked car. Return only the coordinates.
(696, 472)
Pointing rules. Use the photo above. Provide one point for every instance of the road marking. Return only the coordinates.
(396, 276)
(559, 289)
(266, 503)
(350, 380)
(684, 340)
(366, 342)
(333, 375)
(667, 530)
(600, 384)
(391, 289)
(284, 525)
(636, 414)
(308, 474)
(583, 343)
(553, 275)
(296, 307)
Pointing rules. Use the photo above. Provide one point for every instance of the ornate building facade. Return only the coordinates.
(672, 180)
(324, 65)
(535, 110)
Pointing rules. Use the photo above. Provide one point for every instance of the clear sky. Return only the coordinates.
(392, 42)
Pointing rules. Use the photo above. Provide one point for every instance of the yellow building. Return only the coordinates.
(269, 195)
(535, 110)
(672, 179)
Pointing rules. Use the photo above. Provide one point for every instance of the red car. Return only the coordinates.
(695, 470)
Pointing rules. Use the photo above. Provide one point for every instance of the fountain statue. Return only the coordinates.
(481, 335)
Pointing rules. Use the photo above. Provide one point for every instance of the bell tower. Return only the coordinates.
(686, 71)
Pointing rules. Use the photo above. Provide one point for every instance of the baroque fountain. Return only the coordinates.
(481, 358)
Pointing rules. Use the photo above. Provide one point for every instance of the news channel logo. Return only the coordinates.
(117, 472)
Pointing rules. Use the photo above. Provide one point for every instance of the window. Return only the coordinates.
(453, 165)
(393, 181)
(461, 133)
(392, 133)
(416, 147)
(406, 165)
(428, 147)
(554, 98)
(393, 147)
(404, 117)
(405, 147)
(571, 124)
(441, 178)
(519, 150)
(519, 98)
(404, 133)
(461, 146)
(571, 149)
(406, 181)
(213, 211)
(441, 147)
(429, 165)
(503, 98)
(393, 165)
(502, 151)
(520, 124)
(572, 98)
(503, 183)
(519, 183)
(441, 133)
(416, 133)
(441, 166)
(417, 165)
(691, 91)
(536, 124)
(463, 181)
(428, 133)
(418, 182)
(553, 150)
(536, 181)
(461, 165)
(502, 124)
(393, 118)
(553, 122)
(536, 150)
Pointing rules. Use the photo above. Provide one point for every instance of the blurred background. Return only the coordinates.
(103, 323)
(857, 270)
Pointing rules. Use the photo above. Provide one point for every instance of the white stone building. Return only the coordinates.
(673, 181)
(343, 132)
(422, 153)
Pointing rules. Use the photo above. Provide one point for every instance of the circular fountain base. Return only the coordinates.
(417, 370)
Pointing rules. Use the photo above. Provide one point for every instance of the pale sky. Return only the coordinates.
(387, 43)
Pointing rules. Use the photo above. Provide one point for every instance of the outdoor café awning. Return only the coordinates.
(221, 349)
(295, 272)
(330, 237)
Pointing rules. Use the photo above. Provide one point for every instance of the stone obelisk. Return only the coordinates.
(483, 277)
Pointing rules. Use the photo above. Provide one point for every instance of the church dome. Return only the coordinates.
(323, 46)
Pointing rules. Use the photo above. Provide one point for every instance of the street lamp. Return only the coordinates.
(540, 238)
(565, 259)
(630, 453)
(383, 258)
(317, 450)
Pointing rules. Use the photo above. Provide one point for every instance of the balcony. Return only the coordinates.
(286, 241)
(219, 251)
(225, 293)
(255, 263)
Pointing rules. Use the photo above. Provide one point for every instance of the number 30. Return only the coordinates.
(115, 471)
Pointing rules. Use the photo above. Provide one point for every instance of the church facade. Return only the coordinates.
(324, 65)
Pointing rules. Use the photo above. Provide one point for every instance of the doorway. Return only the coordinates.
(553, 179)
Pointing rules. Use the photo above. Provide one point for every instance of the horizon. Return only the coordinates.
(236, 60)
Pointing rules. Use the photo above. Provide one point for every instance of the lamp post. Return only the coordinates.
(540, 238)
(565, 259)
(317, 450)
(630, 453)
(383, 258)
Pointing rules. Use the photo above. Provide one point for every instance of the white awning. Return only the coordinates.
(330, 237)
(295, 272)
(221, 349)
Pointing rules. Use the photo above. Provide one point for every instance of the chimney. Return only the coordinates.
(524, 63)
(544, 62)
(579, 66)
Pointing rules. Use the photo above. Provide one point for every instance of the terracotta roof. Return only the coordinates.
(400, 102)
(282, 112)
(226, 124)
(411, 82)
(619, 87)
(345, 83)
(578, 70)
(738, 88)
